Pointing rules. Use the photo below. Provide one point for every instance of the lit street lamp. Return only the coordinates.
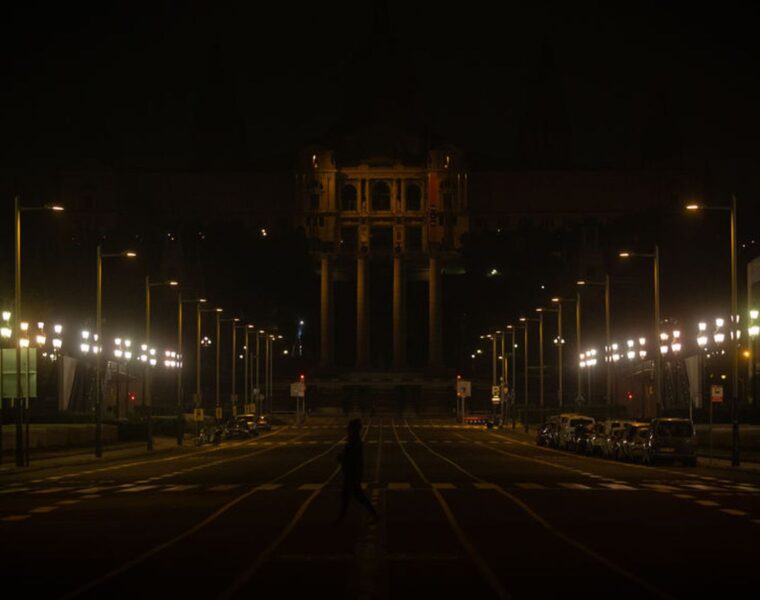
(146, 374)
(608, 339)
(181, 361)
(21, 460)
(655, 256)
(734, 320)
(99, 334)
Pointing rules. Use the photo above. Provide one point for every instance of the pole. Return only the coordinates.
(2, 399)
(559, 352)
(514, 375)
(20, 462)
(246, 369)
(27, 406)
(734, 344)
(504, 375)
(267, 344)
(258, 386)
(541, 360)
(99, 333)
(180, 361)
(493, 361)
(218, 358)
(233, 398)
(608, 339)
(525, 365)
(656, 345)
(146, 366)
(198, 403)
(579, 394)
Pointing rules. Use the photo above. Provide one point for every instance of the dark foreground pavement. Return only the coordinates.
(467, 513)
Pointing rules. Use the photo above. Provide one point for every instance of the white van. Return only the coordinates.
(568, 423)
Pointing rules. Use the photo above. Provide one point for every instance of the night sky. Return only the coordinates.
(202, 87)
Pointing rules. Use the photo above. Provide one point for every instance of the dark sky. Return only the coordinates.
(161, 84)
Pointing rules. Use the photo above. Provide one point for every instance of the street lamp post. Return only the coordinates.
(655, 256)
(607, 327)
(99, 337)
(233, 397)
(198, 313)
(557, 310)
(577, 300)
(181, 360)
(146, 372)
(18, 209)
(734, 320)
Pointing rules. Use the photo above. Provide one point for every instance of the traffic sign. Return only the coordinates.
(198, 414)
(218, 412)
(464, 388)
(716, 394)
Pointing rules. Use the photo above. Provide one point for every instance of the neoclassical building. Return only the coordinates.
(382, 209)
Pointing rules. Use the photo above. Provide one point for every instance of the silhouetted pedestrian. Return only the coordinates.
(351, 460)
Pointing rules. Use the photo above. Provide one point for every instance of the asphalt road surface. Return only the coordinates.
(466, 513)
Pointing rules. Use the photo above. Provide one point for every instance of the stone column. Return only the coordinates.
(326, 341)
(362, 313)
(435, 350)
(399, 312)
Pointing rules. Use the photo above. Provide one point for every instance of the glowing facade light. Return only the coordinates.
(719, 338)
(84, 347)
(664, 336)
(702, 340)
(41, 339)
(127, 343)
(128, 355)
(664, 349)
(153, 362)
(754, 314)
(24, 342)
(702, 326)
(676, 346)
(615, 357)
(693, 207)
(118, 353)
(630, 343)
(144, 347)
(642, 341)
(6, 332)
(676, 334)
(6, 315)
(754, 330)
(719, 322)
(58, 329)
(631, 354)
(642, 354)
(117, 341)
(57, 343)
(24, 326)
(40, 325)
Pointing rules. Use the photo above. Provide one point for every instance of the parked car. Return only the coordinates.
(247, 423)
(639, 444)
(567, 429)
(605, 442)
(597, 439)
(671, 439)
(628, 439)
(542, 434)
(581, 439)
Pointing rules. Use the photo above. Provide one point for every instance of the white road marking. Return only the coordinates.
(14, 518)
(137, 488)
(179, 488)
(707, 503)
(530, 486)
(575, 486)
(735, 512)
(310, 486)
(225, 487)
(618, 486)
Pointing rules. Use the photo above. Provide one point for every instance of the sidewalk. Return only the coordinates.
(67, 457)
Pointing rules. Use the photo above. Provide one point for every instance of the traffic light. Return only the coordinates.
(302, 377)
(629, 395)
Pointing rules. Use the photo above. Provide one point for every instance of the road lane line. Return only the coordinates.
(43, 509)
(574, 486)
(474, 555)
(530, 486)
(192, 530)
(15, 518)
(551, 529)
(734, 512)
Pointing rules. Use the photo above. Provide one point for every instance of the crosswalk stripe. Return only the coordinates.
(179, 488)
(707, 503)
(660, 487)
(13, 518)
(43, 509)
(137, 488)
(530, 486)
(575, 486)
(735, 512)
(224, 487)
(269, 487)
(21, 489)
(93, 490)
(618, 486)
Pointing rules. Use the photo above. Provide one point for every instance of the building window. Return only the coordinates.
(381, 196)
(413, 197)
(349, 238)
(348, 198)
(381, 238)
(414, 239)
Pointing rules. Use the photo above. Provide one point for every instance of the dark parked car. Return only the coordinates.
(671, 439)
(264, 423)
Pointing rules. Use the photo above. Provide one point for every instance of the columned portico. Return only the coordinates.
(399, 312)
(327, 354)
(362, 312)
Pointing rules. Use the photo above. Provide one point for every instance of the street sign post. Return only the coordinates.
(716, 394)
(464, 389)
(298, 391)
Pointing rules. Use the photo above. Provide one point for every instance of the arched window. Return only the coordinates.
(348, 198)
(413, 197)
(381, 196)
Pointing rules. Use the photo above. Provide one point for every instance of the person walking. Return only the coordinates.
(351, 460)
